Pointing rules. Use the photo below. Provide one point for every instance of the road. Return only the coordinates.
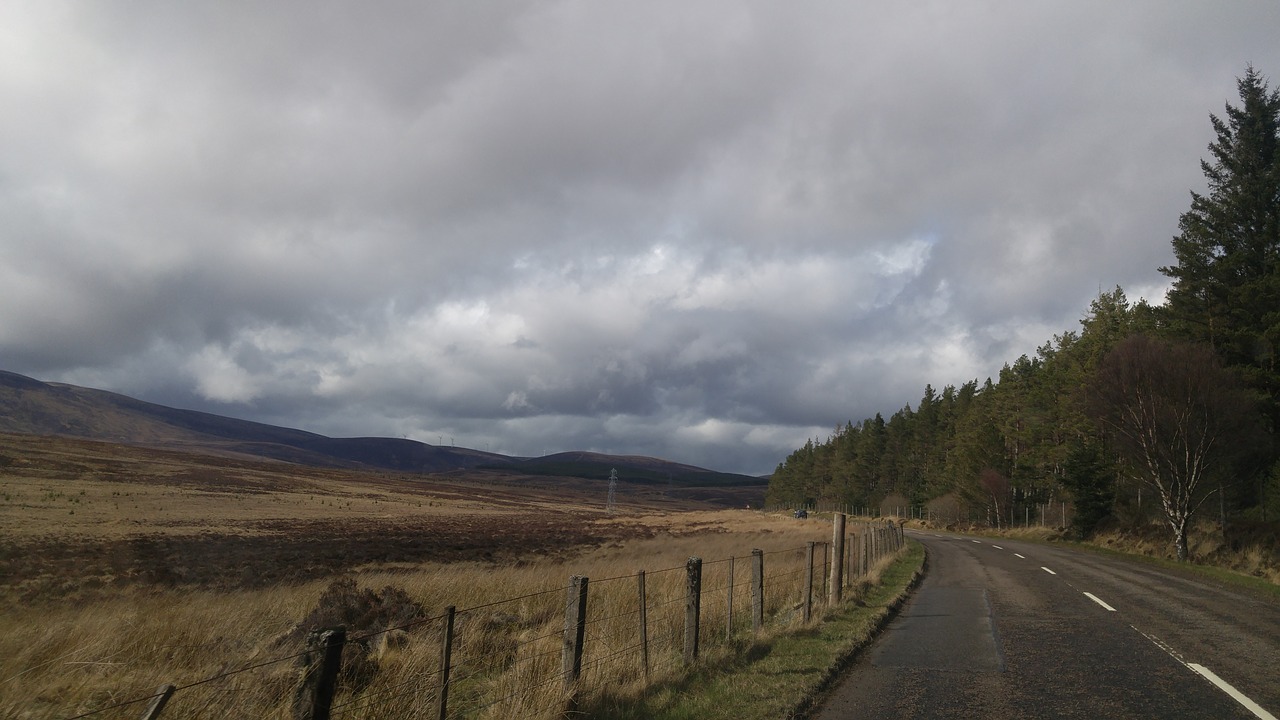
(1004, 629)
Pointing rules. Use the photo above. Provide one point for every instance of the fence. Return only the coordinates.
(538, 654)
(1016, 513)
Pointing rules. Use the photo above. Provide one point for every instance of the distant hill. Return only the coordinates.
(30, 406)
(634, 469)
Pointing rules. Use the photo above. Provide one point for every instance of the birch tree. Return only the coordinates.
(1176, 417)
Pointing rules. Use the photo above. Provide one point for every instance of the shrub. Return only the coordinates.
(366, 615)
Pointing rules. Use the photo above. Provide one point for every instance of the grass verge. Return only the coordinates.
(1117, 547)
(1219, 576)
(782, 676)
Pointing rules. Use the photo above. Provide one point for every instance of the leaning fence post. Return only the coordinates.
(836, 587)
(757, 590)
(446, 659)
(323, 658)
(644, 625)
(575, 630)
(692, 608)
(158, 702)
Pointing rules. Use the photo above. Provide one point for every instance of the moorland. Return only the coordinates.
(124, 567)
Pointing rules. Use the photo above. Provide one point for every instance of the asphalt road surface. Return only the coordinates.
(1004, 629)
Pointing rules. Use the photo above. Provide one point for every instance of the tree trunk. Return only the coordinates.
(1222, 510)
(1180, 540)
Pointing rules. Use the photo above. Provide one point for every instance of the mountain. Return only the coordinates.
(29, 406)
(34, 407)
(632, 468)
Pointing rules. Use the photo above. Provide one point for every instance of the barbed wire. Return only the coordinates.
(425, 675)
(520, 691)
(180, 688)
(406, 626)
(504, 601)
(786, 550)
(607, 618)
(732, 590)
(537, 656)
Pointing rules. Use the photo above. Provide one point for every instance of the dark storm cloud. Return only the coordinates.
(704, 232)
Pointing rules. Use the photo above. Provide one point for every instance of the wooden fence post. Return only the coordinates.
(692, 608)
(826, 576)
(836, 588)
(446, 659)
(757, 590)
(728, 631)
(808, 584)
(868, 547)
(851, 553)
(575, 631)
(644, 625)
(157, 703)
(864, 549)
(319, 680)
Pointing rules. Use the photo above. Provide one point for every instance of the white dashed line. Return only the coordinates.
(1098, 600)
(1212, 677)
(1048, 570)
(1024, 557)
(997, 547)
(976, 541)
(1238, 696)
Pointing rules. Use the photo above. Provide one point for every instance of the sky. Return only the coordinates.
(705, 231)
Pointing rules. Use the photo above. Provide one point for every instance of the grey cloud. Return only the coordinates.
(703, 231)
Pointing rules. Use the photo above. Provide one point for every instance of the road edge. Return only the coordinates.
(835, 671)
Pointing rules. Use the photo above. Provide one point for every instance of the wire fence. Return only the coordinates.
(538, 654)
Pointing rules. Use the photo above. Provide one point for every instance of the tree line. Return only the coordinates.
(1164, 411)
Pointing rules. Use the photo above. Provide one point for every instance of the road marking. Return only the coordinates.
(1212, 677)
(1024, 557)
(997, 547)
(976, 541)
(1238, 696)
(1098, 600)
(1048, 570)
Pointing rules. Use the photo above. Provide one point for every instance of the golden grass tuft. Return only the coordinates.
(59, 658)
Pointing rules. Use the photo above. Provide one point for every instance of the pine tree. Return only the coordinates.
(1226, 281)
(1089, 477)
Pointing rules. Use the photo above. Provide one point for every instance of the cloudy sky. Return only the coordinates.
(704, 231)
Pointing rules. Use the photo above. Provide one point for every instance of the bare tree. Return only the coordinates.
(1173, 413)
(996, 487)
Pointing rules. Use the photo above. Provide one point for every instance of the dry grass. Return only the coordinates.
(79, 488)
(85, 520)
(125, 570)
(59, 659)
(1250, 548)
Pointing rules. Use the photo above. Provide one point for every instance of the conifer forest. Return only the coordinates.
(1145, 413)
